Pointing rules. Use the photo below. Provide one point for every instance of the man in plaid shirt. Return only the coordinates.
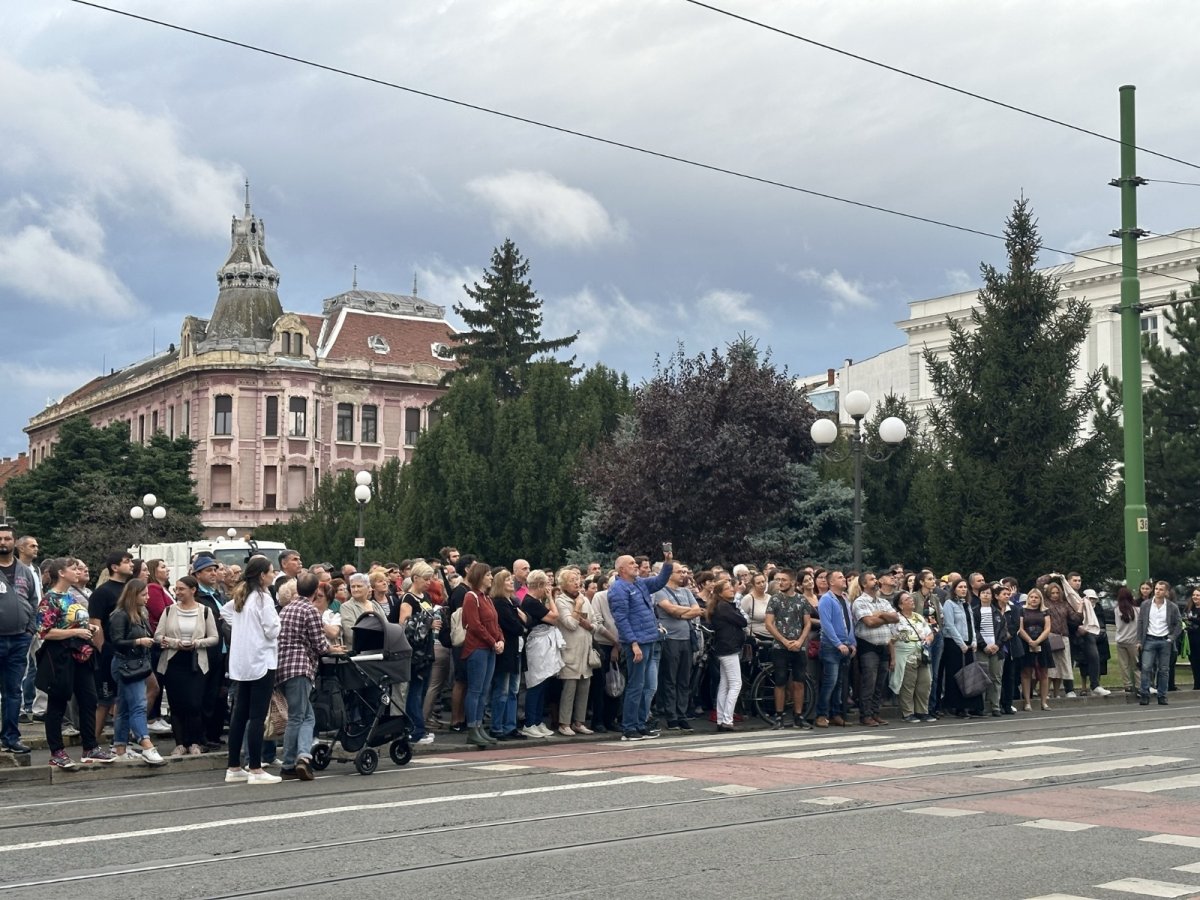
(301, 642)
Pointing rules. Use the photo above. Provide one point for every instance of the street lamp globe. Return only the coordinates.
(823, 432)
(136, 513)
(159, 513)
(149, 500)
(892, 430)
(362, 479)
(362, 493)
(231, 533)
(857, 404)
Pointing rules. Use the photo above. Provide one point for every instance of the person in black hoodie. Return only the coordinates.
(1011, 676)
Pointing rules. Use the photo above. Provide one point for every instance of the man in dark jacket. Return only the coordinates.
(18, 617)
(1159, 625)
(630, 601)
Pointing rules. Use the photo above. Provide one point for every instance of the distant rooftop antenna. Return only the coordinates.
(354, 281)
(414, 284)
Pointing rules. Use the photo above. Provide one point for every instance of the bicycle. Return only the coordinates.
(762, 692)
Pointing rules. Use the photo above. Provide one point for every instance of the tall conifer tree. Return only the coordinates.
(1021, 482)
(505, 323)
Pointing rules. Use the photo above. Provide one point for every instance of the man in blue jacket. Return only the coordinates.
(629, 600)
(838, 647)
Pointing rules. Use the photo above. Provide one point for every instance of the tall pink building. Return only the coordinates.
(274, 399)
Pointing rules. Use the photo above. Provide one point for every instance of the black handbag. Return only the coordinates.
(133, 668)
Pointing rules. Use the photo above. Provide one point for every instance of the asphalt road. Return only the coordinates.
(1069, 803)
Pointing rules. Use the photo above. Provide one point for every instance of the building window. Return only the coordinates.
(187, 417)
(141, 429)
(298, 416)
(412, 426)
(270, 487)
(345, 421)
(296, 485)
(285, 343)
(1149, 331)
(435, 416)
(171, 422)
(154, 422)
(370, 427)
(297, 344)
(271, 424)
(220, 487)
(223, 414)
(379, 344)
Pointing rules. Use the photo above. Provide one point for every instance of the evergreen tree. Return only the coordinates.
(894, 523)
(1172, 440)
(505, 323)
(816, 525)
(1020, 484)
(77, 501)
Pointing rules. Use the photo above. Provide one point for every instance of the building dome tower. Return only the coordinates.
(248, 296)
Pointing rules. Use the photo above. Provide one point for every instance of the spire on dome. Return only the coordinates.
(354, 280)
(248, 297)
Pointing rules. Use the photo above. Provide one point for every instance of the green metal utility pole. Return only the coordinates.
(1137, 537)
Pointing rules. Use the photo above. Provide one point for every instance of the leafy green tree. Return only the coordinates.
(705, 462)
(505, 322)
(497, 475)
(1172, 444)
(1020, 480)
(325, 526)
(77, 501)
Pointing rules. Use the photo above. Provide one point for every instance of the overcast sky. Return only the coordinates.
(125, 146)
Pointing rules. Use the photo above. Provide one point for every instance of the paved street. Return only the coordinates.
(1097, 802)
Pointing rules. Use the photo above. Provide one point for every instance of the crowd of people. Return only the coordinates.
(517, 653)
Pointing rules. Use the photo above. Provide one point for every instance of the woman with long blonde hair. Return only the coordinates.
(132, 640)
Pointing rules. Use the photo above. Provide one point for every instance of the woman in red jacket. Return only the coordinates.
(479, 651)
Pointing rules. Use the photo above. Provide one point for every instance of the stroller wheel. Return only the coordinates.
(322, 754)
(366, 761)
(400, 752)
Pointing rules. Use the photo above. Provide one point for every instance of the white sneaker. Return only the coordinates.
(1071, 695)
(541, 727)
(531, 731)
(131, 754)
(566, 731)
(70, 731)
(582, 729)
(1101, 691)
(158, 726)
(427, 739)
(262, 778)
(152, 756)
(233, 775)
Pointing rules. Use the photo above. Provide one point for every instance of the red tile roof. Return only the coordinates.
(409, 340)
(10, 468)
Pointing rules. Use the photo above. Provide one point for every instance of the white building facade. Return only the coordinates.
(1163, 260)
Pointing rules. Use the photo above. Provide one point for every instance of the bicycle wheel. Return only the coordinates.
(762, 695)
(812, 684)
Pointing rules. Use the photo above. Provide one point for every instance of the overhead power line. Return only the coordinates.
(1165, 181)
(610, 142)
(932, 81)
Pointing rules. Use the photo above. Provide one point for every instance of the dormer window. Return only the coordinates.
(377, 343)
(440, 351)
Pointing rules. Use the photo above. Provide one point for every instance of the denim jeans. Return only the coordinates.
(28, 688)
(414, 703)
(480, 666)
(935, 672)
(1156, 657)
(535, 704)
(641, 681)
(130, 717)
(504, 702)
(14, 657)
(298, 737)
(834, 667)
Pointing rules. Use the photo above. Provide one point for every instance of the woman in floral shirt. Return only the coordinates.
(66, 666)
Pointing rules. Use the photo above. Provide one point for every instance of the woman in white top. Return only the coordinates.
(253, 651)
(754, 606)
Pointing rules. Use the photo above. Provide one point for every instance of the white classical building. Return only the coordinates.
(1095, 279)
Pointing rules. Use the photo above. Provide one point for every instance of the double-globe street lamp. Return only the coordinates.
(149, 501)
(362, 496)
(892, 431)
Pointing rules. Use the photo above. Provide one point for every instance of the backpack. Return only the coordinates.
(419, 631)
(458, 631)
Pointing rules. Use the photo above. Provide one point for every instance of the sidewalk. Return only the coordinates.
(34, 768)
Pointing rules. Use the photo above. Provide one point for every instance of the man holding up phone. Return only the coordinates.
(630, 601)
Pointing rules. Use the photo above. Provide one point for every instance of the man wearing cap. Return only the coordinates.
(207, 571)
